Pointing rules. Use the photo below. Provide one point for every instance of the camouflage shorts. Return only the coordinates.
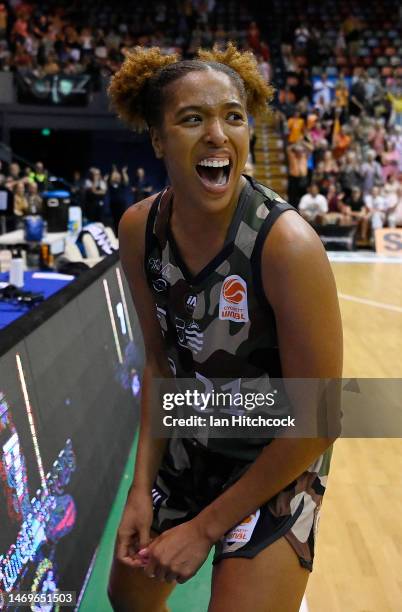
(191, 477)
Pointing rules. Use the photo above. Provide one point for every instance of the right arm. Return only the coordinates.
(150, 449)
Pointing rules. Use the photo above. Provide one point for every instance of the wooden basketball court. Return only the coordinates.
(358, 567)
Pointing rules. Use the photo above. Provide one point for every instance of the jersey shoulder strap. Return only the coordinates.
(270, 208)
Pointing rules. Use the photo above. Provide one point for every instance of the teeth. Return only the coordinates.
(214, 163)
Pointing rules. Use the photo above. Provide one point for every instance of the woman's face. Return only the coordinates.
(204, 139)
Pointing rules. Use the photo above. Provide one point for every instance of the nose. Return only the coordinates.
(215, 133)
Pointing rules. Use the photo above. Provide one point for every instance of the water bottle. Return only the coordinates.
(16, 274)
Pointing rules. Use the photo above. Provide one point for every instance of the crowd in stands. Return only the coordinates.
(340, 100)
(341, 107)
(102, 198)
(94, 37)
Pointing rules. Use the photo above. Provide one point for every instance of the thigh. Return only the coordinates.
(272, 581)
(130, 590)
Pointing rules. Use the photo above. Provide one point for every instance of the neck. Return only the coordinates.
(197, 219)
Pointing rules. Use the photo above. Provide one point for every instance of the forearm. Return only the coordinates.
(278, 465)
(150, 449)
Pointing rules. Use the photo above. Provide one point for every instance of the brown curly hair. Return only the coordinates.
(136, 90)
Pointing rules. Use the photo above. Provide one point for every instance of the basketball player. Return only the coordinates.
(213, 238)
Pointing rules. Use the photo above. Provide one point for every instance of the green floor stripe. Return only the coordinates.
(190, 597)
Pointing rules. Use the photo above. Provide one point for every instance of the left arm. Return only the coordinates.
(300, 287)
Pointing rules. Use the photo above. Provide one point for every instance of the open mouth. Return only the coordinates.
(214, 173)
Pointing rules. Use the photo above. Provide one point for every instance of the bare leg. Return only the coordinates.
(130, 590)
(273, 581)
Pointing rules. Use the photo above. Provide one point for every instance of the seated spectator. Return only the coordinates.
(335, 214)
(356, 211)
(313, 206)
(395, 210)
(377, 136)
(34, 199)
(377, 205)
(350, 175)
(390, 159)
(371, 172)
(331, 167)
(20, 200)
(391, 188)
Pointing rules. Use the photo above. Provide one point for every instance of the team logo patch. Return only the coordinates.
(241, 534)
(233, 304)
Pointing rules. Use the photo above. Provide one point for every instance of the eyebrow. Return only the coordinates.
(194, 107)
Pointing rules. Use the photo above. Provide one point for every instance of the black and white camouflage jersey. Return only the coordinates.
(219, 325)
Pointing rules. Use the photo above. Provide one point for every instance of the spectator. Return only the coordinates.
(396, 103)
(350, 175)
(118, 194)
(335, 213)
(357, 98)
(378, 207)
(14, 172)
(391, 189)
(78, 188)
(20, 199)
(341, 141)
(390, 159)
(395, 210)
(371, 172)
(342, 95)
(39, 175)
(95, 193)
(296, 126)
(141, 187)
(33, 198)
(313, 205)
(355, 210)
(298, 155)
(323, 90)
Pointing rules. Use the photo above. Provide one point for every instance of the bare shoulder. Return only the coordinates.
(134, 219)
(294, 259)
(132, 230)
(292, 237)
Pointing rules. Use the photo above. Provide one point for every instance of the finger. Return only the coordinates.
(144, 537)
(125, 547)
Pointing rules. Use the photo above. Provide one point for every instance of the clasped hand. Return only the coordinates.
(176, 554)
